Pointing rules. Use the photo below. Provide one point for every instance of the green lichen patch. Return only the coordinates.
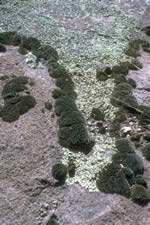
(2, 48)
(112, 179)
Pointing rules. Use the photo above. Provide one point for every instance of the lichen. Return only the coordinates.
(76, 29)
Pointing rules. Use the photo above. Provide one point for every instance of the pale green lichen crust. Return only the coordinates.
(85, 34)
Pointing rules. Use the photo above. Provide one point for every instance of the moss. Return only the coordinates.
(2, 48)
(146, 151)
(15, 85)
(55, 70)
(30, 43)
(129, 175)
(144, 116)
(53, 220)
(75, 137)
(97, 114)
(114, 130)
(146, 30)
(124, 145)
(113, 180)
(59, 171)
(135, 65)
(48, 53)
(132, 82)
(122, 68)
(119, 93)
(70, 118)
(103, 72)
(139, 194)
(10, 38)
(65, 104)
(71, 168)
(57, 93)
(4, 77)
(139, 179)
(10, 113)
(67, 85)
(128, 157)
(26, 103)
(48, 106)
(119, 78)
(22, 51)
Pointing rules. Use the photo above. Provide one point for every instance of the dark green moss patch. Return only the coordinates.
(112, 179)
(53, 220)
(48, 106)
(135, 65)
(146, 30)
(71, 168)
(122, 68)
(132, 82)
(55, 70)
(22, 51)
(2, 48)
(128, 157)
(144, 114)
(59, 171)
(103, 72)
(48, 53)
(10, 38)
(97, 114)
(5, 77)
(17, 84)
(139, 194)
(65, 104)
(146, 151)
(57, 93)
(30, 43)
(140, 180)
(69, 118)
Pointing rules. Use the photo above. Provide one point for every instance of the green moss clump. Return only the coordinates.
(5, 77)
(97, 114)
(139, 179)
(133, 48)
(128, 157)
(119, 78)
(2, 48)
(122, 68)
(65, 104)
(113, 180)
(139, 194)
(129, 175)
(69, 118)
(10, 113)
(59, 171)
(57, 93)
(71, 168)
(102, 72)
(48, 53)
(132, 82)
(10, 38)
(75, 137)
(66, 84)
(144, 115)
(53, 220)
(30, 43)
(22, 51)
(55, 70)
(124, 145)
(146, 151)
(135, 65)
(48, 106)
(15, 85)
(26, 103)
(146, 30)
